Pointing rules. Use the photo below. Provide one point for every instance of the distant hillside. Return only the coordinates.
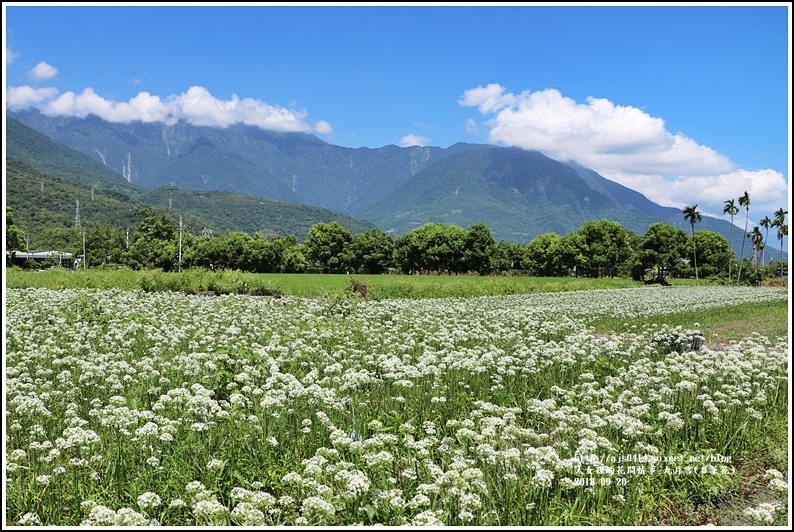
(281, 166)
(45, 183)
(249, 214)
(59, 161)
(518, 194)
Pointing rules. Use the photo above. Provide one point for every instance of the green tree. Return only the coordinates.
(605, 247)
(478, 249)
(104, 243)
(327, 246)
(731, 209)
(285, 255)
(445, 246)
(544, 256)
(756, 240)
(372, 252)
(713, 250)
(574, 253)
(205, 252)
(765, 223)
(744, 201)
(235, 252)
(15, 237)
(693, 216)
(154, 243)
(256, 253)
(507, 256)
(782, 231)
(408, 252)
(661, 246)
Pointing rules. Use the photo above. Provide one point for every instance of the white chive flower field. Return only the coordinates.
(134, 408)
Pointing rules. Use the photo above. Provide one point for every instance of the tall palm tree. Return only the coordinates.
(744, 201)
(733, 210)
(765, 223)
(782, 230)
(756, 239)
(692, 215)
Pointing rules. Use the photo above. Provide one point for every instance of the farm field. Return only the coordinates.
(304, 284)
(622, 406)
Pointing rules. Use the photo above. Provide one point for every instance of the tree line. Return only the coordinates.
(599, 248)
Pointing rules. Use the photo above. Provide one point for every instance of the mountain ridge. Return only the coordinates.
(44, 180)
(517, 193)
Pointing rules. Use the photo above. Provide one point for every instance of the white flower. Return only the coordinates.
(177, 503)
(29, 519)
(215, 464)
(764, 512)
(246, 514)
(317, 508)
(426, 518)
(149, 500)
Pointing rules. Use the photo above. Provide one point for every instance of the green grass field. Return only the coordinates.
(377, 286)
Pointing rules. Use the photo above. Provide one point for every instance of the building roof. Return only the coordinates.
(42, 254)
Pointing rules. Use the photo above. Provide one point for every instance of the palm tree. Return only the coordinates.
(765, 223)
(692, 215)
(744, 201)
(733, 210)
(756, 239)
(782, 230)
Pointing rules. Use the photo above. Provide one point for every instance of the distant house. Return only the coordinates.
(54, 257)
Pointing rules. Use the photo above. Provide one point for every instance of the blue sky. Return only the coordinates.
(685, 104)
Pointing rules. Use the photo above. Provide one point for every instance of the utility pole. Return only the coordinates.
(78, 224)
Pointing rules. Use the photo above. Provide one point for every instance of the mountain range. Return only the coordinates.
(518, 194)
(47, 184)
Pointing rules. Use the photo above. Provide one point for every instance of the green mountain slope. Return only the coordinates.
(249, 214)
(59, 161)
(336, 178)
(519, 194)
(205, 167)
(45, 183)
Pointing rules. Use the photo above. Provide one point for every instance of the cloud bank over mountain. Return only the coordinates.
(196, 106)
(624, 144)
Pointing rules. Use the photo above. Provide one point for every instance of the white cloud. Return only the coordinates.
(323, 128)
(471, 127)
(23, 97)
(623, 144)
(767, 189)
(413, 140)
(197, 106)
(10, 56)
(42, 71)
